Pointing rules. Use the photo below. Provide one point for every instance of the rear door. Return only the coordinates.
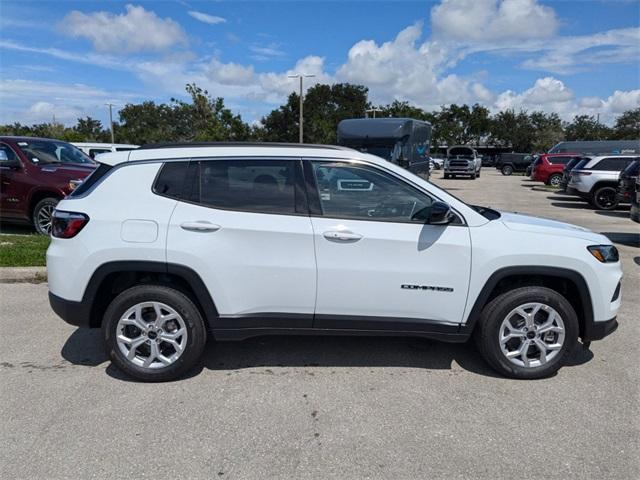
(243, 226)
(378, 269)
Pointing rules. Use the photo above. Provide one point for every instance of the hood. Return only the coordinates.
(72, 169)
(527, 223)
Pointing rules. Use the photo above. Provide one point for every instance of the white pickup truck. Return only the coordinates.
(462, 160)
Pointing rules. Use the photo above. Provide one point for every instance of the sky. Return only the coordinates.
(69, 59)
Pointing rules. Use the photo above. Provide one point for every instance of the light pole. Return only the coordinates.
(111, 122)
(301, 117)
(374, 110)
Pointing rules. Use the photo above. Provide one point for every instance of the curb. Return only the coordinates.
(23, 274)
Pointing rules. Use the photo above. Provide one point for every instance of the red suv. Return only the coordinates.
(548, 167)
(35, 174)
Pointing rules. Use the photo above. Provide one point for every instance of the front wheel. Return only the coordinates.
(528, 332)
(154, 333)
(43, 214)
(446, 176)
(507, 170)
(605, 198)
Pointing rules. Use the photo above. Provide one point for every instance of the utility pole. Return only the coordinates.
(111, 122)
(301, 115)
(373, 110)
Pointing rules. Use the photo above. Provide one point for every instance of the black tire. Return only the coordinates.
(605, 197)
(178, 301)
(473, 176)
(554, 180)
(478, 173)
(507, 170)
(41, 215)
(493, 314)
(446, 176)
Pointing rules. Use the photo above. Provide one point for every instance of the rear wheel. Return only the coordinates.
(154, 333)
(605, 198)
(528, 332)
(42, 215)
(507, 170)
(555, 179)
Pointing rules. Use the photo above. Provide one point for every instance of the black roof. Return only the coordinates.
(237, 144)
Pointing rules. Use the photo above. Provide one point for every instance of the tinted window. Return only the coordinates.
(559, 160)
(170, 181)
(613, 164)
(11, 155)
(44, 152)
(365, 193)
(124, 149)
(633, 169)
(262, 186)
(91, 180)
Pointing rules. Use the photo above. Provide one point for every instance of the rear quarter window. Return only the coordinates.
(170, 181)
(612, 164)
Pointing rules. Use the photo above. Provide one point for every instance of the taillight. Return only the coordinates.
(67, 224)
(583, 173)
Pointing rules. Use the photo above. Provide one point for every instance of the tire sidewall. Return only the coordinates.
(196, 332)
(507, 170)
(595, 198)
(36, 210)
(555, 176)
(502, 306)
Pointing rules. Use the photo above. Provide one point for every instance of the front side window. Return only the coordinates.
(261, 186)
(361, 192)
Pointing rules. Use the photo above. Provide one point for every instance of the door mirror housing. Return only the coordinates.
(438, 213)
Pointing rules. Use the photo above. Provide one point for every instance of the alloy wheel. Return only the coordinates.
(151, 335)
(606, 198)
(531, 335)
(43, 218)
(554, 181)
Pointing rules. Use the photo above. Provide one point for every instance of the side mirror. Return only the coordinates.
(438, 213)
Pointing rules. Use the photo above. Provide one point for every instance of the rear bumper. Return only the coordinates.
(74, 313)
(575, 191)
(599, 330)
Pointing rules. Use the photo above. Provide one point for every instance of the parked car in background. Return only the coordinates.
(627, 182)
(576, 162)
(462, 160)
(438, 162)
(548, 168)
(165, 247)
(508, 163)
(35, 174)
(598, 147)
(635, 202)
(93, 149)
(488, 160)
(597, 180)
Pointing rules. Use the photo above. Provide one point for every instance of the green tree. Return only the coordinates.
(90, 130)
(627, 126)
(586, 127)
(548, 130)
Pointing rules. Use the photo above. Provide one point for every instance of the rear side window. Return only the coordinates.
(559, 160)
(171, 180)
(11, 155)
(91, 180)
(613, 164)
(260, 186)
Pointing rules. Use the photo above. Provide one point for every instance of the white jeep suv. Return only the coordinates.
(165, 246)
(597, 180)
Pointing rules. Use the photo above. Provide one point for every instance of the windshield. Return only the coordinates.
(43, 152)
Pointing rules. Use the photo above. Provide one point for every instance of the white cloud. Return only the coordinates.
(136, 30)
(206, 18)
(482, 20)
(230, 73)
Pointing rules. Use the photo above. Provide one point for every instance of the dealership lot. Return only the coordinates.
(326, 407)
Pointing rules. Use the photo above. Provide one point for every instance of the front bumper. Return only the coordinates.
(74, 313)
(599, 330)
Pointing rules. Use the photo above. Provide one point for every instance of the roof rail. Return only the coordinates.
(238, 144)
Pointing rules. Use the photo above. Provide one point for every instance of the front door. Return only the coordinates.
(378, 268)
(245, 229)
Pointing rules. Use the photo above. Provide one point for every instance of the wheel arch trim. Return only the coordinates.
(531, 270)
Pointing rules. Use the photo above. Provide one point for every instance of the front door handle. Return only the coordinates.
(342, 236)
(200, 226)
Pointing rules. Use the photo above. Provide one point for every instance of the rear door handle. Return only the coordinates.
(200, 226)
(342, 236)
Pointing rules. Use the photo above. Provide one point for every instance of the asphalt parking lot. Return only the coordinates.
(326, 407)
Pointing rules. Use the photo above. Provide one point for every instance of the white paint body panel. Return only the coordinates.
(364, 277)
(255, 263)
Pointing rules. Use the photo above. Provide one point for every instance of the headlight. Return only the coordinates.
(73, 184)
(604, 253)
